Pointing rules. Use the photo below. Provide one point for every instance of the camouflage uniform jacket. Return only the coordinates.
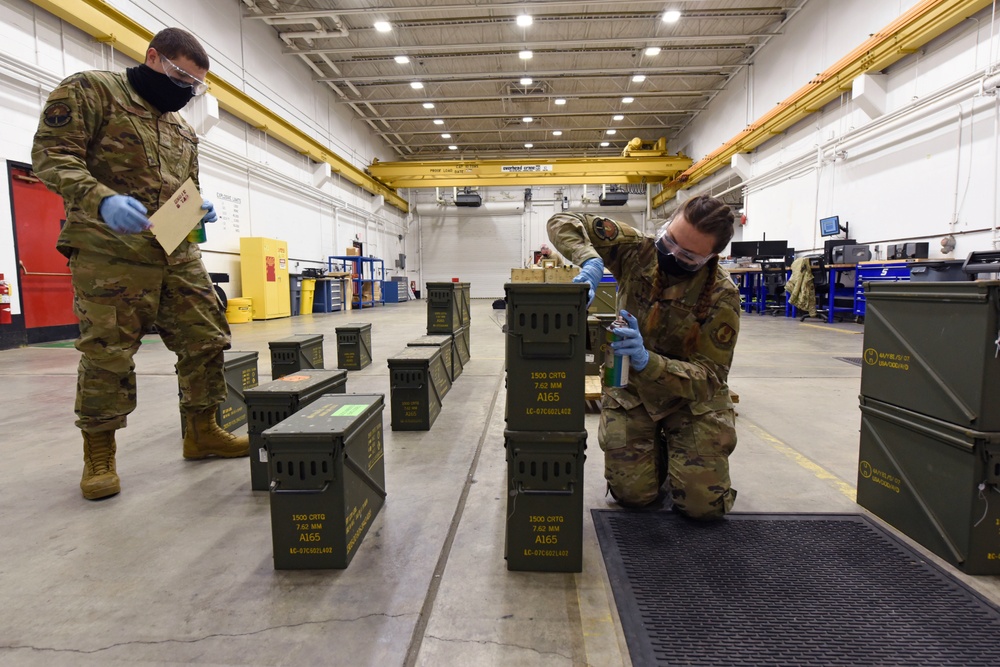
(664, 307)
(97, 137)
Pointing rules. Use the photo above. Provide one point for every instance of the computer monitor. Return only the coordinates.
(830, 226)
(771, 250)
(743, 248)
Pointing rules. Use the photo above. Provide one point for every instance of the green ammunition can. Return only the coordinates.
(544, 500)
(328, 474)
(297, 352)
(605, 299)
(546, 340)
(934, 348)
(273, 402)
(240, 371)
(354, 346)
(934, 481)
(447, 307)
(418, 384)
(445, 343)
(462, 340)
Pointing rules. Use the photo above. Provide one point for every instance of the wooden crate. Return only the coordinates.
(527, 275)
(561, 274)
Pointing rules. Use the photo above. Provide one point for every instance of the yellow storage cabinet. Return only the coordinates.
(264, 269)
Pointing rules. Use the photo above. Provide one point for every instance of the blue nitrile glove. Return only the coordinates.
(211, 216)
(591, 271)
(124, 214)
(631, 343)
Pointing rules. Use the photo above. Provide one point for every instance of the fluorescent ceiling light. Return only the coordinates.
(652, 50)
(529, 145)
(525, 55)
(416, 85)
(671, 16)
(611, 132)
(527, 81)
(402, 60)
(438, 121)
(382, 26)
(628, 100)
(618, 116)
(524, 20)
(638, 78)
(527, 119)
(557, 133)
(446, 136)
(605, 144)
(453, 148)
(428, 105)
(560, 101)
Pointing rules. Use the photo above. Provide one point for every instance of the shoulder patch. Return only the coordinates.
(723, 336)
(606, 229)
(57, 114)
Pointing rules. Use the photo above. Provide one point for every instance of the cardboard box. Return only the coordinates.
(527, 275)
(353, 251)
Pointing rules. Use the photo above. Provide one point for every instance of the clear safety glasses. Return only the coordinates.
(182, 79)
(666, 244)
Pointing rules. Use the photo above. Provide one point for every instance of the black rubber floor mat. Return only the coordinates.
(787, 589)
(857, 361)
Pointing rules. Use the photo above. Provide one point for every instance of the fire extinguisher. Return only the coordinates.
(4, 301)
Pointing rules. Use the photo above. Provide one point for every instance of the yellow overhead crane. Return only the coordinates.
(637, 165)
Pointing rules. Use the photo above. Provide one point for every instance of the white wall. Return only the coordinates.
(261, 187)
(925, 169)
(481, 245)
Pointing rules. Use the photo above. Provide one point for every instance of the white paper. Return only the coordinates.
(172, 222)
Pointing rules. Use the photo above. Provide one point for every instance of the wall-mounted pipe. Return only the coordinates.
(914, 28)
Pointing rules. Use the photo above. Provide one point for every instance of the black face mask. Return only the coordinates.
(158, 89)
(670, 266)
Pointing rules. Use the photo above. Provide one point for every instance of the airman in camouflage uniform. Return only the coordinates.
(675, 418)
(99, 137)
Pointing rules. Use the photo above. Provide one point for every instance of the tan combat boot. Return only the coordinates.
(100, 478)
(204, 437)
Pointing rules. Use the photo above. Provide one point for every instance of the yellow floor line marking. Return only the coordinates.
(820, 326)
(819, 471)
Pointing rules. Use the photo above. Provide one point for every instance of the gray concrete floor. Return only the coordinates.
(177, 569)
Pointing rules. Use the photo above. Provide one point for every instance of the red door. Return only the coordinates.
(46, 289)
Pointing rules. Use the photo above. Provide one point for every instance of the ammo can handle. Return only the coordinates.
(365, 477)
(274, 487)
(542, 492)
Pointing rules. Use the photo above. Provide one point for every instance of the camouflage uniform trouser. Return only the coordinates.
(693, 450)
(117, 301)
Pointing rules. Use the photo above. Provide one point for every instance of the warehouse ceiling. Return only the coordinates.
(454, 79)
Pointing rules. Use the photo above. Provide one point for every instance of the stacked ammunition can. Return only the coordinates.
(545, 437)
(929, 457)
(422, 374)
(354, 346)
(449, 312)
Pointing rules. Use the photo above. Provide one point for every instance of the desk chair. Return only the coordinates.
(773, 279)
